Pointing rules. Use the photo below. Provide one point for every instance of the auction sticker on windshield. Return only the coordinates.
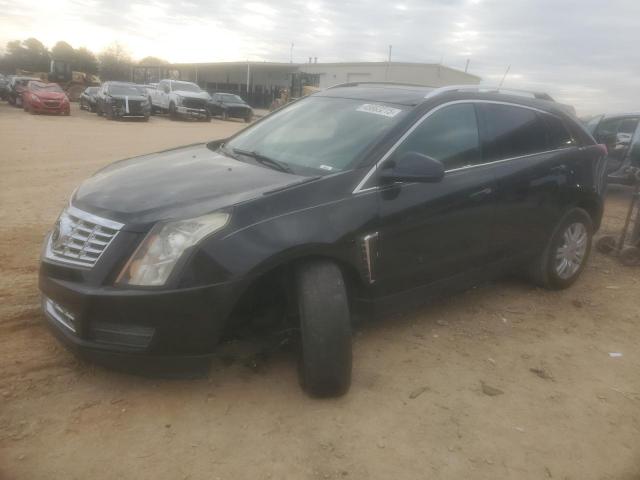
(379, 110)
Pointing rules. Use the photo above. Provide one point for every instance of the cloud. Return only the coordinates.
(583, 52)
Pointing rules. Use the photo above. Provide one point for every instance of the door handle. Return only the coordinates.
(481, 193)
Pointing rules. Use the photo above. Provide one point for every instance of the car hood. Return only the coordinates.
(49, 95)
(201, 95)
(180, 183)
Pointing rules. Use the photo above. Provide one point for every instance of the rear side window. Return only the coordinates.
(512, 132)
(449, 135)
(557, 134)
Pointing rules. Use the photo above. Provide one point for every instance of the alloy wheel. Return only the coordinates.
(572, 251)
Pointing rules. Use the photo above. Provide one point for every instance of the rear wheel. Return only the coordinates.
(566, 253)
(325, 328)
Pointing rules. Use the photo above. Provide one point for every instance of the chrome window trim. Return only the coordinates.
(360, 187)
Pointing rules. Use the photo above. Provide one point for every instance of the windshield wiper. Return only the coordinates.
(264, 160)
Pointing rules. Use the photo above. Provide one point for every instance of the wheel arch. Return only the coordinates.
(278, 279)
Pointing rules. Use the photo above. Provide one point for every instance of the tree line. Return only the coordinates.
(113, 63)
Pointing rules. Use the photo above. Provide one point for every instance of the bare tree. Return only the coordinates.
(115, 63)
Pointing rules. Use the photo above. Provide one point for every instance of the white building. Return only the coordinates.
(428, 74)
(260, 82)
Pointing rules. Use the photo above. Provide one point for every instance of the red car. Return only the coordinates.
(40, 97)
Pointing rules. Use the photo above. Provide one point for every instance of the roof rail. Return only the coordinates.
(355, 84)
(488, 89)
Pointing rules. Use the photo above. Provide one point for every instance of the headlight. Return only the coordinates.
(35, 98)
(154, 260)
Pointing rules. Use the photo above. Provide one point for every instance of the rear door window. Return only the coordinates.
(449, 135)
(557, 134)
(511, 131)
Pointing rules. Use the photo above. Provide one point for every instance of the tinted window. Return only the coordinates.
(557, 134)
(512, 132)
(449, 135)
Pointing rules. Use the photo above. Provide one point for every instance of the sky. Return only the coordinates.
(583, 52)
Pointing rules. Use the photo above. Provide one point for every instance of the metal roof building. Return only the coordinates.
(260, 82)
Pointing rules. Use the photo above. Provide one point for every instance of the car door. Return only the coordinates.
(162, 95)
(617, 134)
(432, 231)
(534, 159)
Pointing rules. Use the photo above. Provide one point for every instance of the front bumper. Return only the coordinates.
(192, 112)
(57, 109)
(108, 322)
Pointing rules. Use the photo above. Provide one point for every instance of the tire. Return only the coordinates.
(607, 244)
(325, 329)
(248, 119)
(630, 256)
(573, 235)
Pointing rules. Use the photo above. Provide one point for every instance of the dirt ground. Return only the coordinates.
(504, 381)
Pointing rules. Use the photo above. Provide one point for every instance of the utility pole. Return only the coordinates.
(386, 72)
(504, 76)
(466, 67)
(248, 78)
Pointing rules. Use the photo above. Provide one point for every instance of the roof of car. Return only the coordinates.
(621, 115)
(413, 95)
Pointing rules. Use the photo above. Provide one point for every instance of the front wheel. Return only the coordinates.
(566, 253)
(325, 329)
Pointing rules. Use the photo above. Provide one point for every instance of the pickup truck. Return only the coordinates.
(180, 99)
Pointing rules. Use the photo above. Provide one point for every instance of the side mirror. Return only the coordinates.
(413, 167)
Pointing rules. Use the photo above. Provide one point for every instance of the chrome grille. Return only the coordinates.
(80, 238)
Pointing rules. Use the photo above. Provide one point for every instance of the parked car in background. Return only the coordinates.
(621, 135)
(40, 97)
(180, 100)
(229, 105)
(361, 194)
(17, 85)
(120, 100)
(4, 83)
(87, 100)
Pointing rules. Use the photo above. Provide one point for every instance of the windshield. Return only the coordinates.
(46, 87)
(185, 86)
(123, 90)
(228, 97)
(320, 133)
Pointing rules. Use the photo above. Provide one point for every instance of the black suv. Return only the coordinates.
(360, 195)
(121, 99)
(621, 135)
(229, 105)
